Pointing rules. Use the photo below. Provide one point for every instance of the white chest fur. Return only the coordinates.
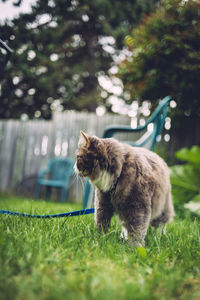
(104, 181)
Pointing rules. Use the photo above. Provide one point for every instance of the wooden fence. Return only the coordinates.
(26, 147)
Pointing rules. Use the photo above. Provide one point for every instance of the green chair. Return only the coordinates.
(55, 175)
(147, 140)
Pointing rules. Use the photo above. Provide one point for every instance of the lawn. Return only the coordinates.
(67, 258)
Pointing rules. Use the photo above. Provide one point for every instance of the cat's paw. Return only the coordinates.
(124, 234)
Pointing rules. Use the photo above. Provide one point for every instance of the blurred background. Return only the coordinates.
(83, 65)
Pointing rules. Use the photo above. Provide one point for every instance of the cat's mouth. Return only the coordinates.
(83, 173)
(80, 174)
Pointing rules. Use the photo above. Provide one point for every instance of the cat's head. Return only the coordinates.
(91, 157)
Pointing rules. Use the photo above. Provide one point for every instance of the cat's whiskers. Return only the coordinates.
(78, 179)
(82, 183)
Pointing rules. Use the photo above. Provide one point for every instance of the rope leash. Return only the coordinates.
(67, 214)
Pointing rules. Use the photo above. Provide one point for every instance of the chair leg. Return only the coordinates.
(37, 191)
(48, 192)
(87, 193)
(63, 195)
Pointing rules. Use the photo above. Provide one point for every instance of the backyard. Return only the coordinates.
(126, 69)
(67, 258)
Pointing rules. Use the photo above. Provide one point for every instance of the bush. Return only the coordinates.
(185, 178)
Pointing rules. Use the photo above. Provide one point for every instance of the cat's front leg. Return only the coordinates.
(136, 224)
(136, 234)
(103, 210)
(124, 234)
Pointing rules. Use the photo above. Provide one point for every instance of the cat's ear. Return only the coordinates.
(84, 139)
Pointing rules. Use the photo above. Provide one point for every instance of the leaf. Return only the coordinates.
(187, 177)
(191, 155)
(142, 251)
(193, 206)
(196, 198)
(129, 40)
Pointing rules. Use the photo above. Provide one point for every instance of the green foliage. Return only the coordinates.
(68, 259)
(191, 155)
(165, 57)
(59, 53)
(185, 178)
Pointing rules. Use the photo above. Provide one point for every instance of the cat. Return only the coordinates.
(132, 182)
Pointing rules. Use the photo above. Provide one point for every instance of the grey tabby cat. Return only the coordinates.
(129, 181)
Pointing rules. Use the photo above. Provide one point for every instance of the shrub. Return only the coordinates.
(185, 178)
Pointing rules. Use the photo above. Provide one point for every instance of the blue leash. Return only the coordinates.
(67, 214)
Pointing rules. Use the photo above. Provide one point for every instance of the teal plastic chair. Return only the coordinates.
(147, 140)
(56, 175)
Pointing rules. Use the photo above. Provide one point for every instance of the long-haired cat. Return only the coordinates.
(130, 181)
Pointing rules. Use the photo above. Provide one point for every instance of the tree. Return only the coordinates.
(165, 60)
(60, 49)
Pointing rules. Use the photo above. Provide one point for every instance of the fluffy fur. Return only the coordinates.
(131, 182)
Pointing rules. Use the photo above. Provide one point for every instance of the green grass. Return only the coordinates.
(68, 259)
